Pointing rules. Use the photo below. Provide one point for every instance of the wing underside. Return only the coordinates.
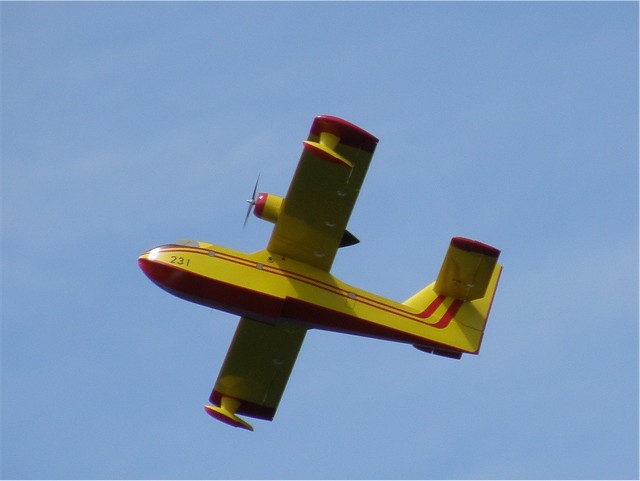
(257, 367)
(323, 192)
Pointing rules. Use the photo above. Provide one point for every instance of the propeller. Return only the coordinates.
(251, 202)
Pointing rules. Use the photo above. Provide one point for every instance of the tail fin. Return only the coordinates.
(460, 299)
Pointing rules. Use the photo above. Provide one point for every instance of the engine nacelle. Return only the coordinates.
(267, 207)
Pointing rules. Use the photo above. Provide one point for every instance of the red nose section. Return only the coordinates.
(261, 201)
(143, 264)
(154, 271)
(161, 273)
(176, 281)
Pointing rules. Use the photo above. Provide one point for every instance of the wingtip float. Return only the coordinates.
(226, 414)
(286, 289)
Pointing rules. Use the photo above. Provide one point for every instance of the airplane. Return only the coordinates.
(286, 289)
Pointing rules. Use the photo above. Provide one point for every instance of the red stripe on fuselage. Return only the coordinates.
(431, 308)
(450, 314)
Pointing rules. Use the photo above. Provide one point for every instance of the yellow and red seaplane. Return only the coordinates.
(286, 289)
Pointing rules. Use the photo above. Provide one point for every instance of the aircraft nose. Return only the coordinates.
(146, 265)
(156, 266)
(143, 263)
(153, 269)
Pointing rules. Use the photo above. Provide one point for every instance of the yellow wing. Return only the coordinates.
(255, 371)
(310, 227)
(323, 191)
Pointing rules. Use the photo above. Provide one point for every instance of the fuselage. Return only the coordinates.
(269, 288)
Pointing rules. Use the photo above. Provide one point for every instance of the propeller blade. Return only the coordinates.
(255, 189)
(251, 202)
(246, 218)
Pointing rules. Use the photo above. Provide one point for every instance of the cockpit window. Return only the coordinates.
(188, 242)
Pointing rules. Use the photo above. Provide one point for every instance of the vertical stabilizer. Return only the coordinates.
(460, 299)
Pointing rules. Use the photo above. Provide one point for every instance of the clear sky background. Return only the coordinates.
(129, 125)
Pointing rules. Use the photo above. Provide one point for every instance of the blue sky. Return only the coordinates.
(128, 125)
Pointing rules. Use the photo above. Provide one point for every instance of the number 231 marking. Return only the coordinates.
(180, 261)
